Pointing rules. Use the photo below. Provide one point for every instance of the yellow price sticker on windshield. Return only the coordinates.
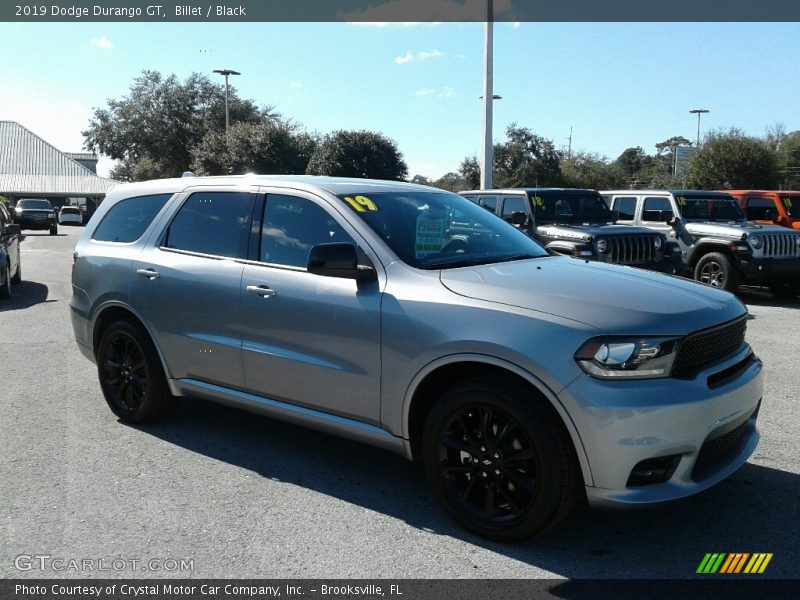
(681, 201)
(537, 200)
(787, 202)
(361, 203)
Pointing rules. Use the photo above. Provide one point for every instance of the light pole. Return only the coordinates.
(488, 97)
(698, 112)
(226, 72)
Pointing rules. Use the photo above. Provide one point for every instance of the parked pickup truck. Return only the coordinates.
(719, 247)
(577, 222)
(768, 207)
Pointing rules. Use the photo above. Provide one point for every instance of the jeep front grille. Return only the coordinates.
(704, 347)
(632, 250)
(779, 245)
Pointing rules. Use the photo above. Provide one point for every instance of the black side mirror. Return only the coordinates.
(338, 260)
(13, 229)
(771, 215)
(519, 218)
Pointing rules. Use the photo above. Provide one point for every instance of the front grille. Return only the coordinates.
(704, 347)
(631, 250)
(779, 245)
(718, 451)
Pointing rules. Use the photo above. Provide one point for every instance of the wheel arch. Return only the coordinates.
(433, 379)
(704, 247)
(116, 311)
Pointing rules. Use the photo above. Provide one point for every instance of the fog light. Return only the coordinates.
(602, 246)
(654, 470)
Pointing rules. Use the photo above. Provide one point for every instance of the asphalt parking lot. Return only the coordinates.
(243, 496)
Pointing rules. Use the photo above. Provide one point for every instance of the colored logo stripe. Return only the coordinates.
(724, 563)
(711, 562)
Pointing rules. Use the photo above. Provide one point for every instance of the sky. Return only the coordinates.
(615, 85)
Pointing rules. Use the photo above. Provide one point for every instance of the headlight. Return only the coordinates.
(756, 241)
(657, 243)
(601, 245)
(797, 240)
(627, 358)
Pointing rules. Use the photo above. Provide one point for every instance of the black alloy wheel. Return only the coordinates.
(499, 459)
(131, 375)
(488, 463)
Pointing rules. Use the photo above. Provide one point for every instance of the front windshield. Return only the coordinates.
(570, 208)
(792, 205)
(34, 204)
(439, 230)
(709, 208)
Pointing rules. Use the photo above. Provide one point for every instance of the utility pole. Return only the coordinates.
(569, 147)
(227, 72)
(487, 157)
(698, 112)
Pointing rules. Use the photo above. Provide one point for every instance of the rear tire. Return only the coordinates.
(500, 460)
(718, 270)
(131, 375)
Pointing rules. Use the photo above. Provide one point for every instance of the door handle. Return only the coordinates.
(261, 290)
(149, 273)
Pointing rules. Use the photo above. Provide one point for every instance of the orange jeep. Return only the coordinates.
(781, 208)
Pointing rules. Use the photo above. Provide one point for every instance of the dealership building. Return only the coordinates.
(32, 168)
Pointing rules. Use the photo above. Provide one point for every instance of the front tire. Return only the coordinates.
(785, 289)
(131, 375)
(5, 283)
(717, 270)
(18, 275)
(54, 230)
(499, 460)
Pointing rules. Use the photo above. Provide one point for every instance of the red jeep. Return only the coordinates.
(780, 208)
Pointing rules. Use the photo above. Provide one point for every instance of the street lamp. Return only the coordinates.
(226, 72)
(698, 112)
(487, 158)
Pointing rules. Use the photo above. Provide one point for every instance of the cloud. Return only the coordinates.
(296, 85)
(444, 92)
(419, 56)
(103, 43)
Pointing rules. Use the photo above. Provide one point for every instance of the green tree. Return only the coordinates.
(452, 182)
(730, 160)
(421, 180)
(525, 160)
(358, 154)
(789, 160)
(470, 172)
(154, 129)
(588, 170)
(264, 148)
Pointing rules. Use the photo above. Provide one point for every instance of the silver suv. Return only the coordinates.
(413, 320)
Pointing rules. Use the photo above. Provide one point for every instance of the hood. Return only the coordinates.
(614, 299)
(731, 230)
(585, 232)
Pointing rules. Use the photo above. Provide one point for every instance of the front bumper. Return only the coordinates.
(765, 270)
(35, 223)
(622, 423)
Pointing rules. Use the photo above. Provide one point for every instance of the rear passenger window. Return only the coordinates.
(626, 207)
(216, 223)
(127, 220)
(657, 209)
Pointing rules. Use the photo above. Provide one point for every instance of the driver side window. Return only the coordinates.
(291, 226)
